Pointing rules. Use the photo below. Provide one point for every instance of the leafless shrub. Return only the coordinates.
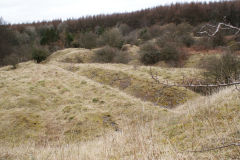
(124, 29)
(111, 55)
(218, 40)
(169, 53)
(112, 37)
(183, 34)
(187, 40)
(144, 34)
(223, 69)
(180, 34)
(150, 53)
(121, 57)
(184, 28)
(155, 30)
(132, 38)
(203, 43)
(12, 59)
(88, 40)
(105, 55)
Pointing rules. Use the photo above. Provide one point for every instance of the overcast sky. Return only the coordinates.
(18, 11)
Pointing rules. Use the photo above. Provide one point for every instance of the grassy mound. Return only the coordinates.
(82, 55)
(138, 82)
(196, 58)
(87, 111)
(43, 102)
(73, 55)
(207, 122)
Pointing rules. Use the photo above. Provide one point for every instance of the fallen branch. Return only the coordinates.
(190, 84)
(220, 26)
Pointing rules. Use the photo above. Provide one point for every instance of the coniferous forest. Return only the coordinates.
(24, 40)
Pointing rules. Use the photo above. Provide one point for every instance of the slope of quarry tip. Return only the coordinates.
(62, 109)
(44, 100)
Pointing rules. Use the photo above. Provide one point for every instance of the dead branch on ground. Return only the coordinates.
(212, 30)
(189, 83)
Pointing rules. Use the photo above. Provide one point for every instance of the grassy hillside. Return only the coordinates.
(137, 81)
(45, 101)
(73, 55)
(197, 128)
(62, 110)
(82, 55)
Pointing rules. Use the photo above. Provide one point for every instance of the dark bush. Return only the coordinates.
(75, 43)
(184, 28)
(121, 57)
(124, 29)
(218, 40)
(99, 30)
(203, 43)
(222, 69)
(197, 29)
(132, 38)
(88, 40)
(105, 55)
(180, 35)
(169, 53)
(12, 60)
(186, 40)
(168, 28)
(8, 41)
(48, 36)
(164, 39)
(111, 55)
(149, 53)
(210, 42)
(39, 55)
(155, 31)
(168, 35)
(68, 39)
(144, 34)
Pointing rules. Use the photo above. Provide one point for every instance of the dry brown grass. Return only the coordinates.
(47, 102)
(82, 55)
(165, 137)
(73, 55)
(55, 111)
(137, 81)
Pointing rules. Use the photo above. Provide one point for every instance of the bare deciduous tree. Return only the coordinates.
(212, 30)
